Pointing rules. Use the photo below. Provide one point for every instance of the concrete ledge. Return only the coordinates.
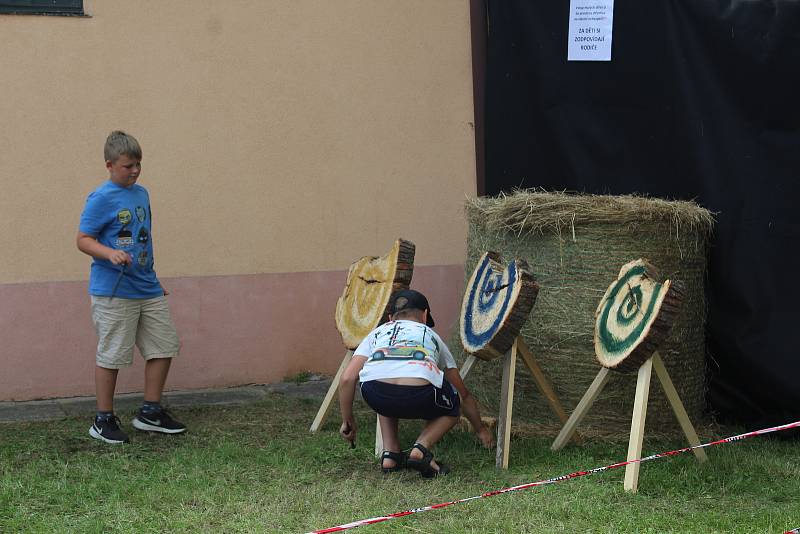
(52, 409)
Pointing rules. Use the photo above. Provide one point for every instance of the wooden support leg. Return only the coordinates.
(637, 425)
(581, 409)
(467, 366)
(677, 407)
(378, 437)
(325, 407)
(541, 381)
(506, 407)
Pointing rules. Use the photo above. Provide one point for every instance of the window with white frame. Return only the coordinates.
(42, 7)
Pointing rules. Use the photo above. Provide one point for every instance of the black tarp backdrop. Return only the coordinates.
(701, 100)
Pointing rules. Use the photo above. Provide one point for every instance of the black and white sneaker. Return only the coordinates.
(108, 430)
(158, 422)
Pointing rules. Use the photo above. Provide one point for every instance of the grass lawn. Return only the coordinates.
(256, 468)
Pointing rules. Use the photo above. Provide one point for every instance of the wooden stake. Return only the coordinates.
(637, 425)
(325, 407)
(677, 407)
(378, 437)
(506, 406)
(541, 380)
(582, 409)
(467, 366)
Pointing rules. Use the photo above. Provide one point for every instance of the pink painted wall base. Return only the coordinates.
(234, 330)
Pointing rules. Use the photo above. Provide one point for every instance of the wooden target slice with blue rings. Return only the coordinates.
(496, 304)
(635, 316)
(368, 289)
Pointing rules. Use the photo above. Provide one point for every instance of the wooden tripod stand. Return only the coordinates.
(639, 415)
(507, 394)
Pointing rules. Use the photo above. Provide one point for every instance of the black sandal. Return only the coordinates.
(423, 465)
(399, 461)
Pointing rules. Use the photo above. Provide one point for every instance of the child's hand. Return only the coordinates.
(348, 432)
(486, 437)
(119, 257)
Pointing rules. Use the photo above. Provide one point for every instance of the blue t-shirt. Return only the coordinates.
(120, 218)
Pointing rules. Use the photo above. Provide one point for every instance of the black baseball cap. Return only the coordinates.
(408, 299)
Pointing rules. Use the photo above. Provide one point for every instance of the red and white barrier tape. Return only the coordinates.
(576, 474)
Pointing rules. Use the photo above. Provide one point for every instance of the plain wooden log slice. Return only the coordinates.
(635, 316)
(368, 289)
(496, 304)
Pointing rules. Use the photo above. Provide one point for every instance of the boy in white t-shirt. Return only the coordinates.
(407, 372)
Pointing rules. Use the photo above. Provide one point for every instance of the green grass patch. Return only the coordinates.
(299, 378)
(256, 468)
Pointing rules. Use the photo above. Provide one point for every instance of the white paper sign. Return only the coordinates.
(591, 23)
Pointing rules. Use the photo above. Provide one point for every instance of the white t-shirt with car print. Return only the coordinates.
(404, 349)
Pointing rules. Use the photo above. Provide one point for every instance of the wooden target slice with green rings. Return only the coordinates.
(496, 304)
(635, 316)
(370, 284)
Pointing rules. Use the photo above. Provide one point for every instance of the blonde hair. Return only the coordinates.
(119, 143)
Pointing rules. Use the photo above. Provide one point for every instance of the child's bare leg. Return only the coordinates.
(391, 441)
(152, 417)
(105, 382)
(431, 433)
(155, 376)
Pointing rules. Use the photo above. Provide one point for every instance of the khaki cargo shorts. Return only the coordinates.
(120, 323)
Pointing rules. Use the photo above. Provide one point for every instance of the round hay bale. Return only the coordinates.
(575, 245)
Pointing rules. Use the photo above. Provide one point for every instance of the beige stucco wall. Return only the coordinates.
(278, 135)
(283, 139)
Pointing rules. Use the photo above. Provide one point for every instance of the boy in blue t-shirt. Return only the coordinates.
(128, 302)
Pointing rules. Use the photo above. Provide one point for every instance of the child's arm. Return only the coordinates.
(470, 407)
(347, 392)
(89, 245)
